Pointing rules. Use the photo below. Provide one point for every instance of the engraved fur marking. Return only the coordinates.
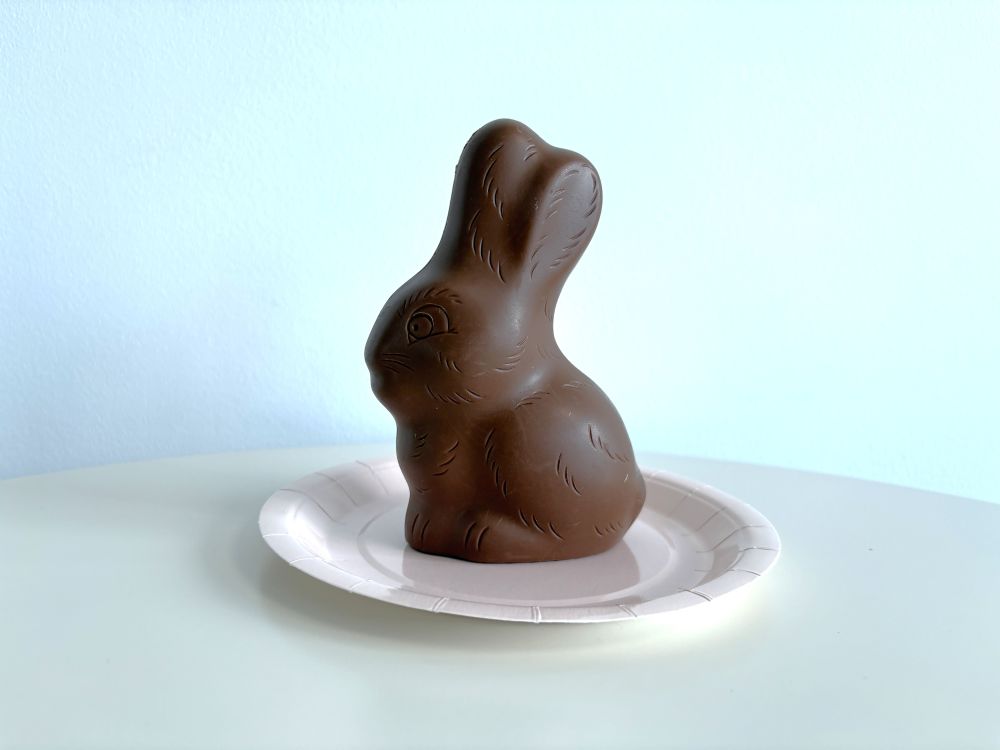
(541, 529)
(458, 398)
(468, 395)
(573, 246)
(598, 442)
(449, 455)
(448, 363)
(420, 443)
(434, 394)
(493, 464)
(428, 293)
(565, 253)
(488, 182)
(482, 251)
(539, 246)
(472, 221)
(594, 194)
(393, 361)
(512, 360)
(479, 539)
(530, 399)
(612, 527)
(563, 472)
(486, 174)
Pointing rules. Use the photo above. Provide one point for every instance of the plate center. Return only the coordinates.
(642, 555)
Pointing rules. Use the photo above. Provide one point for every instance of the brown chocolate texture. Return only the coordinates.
(510, 452)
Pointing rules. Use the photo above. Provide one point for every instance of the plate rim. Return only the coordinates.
(289, 548)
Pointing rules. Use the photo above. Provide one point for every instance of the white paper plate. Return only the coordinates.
(690, 545)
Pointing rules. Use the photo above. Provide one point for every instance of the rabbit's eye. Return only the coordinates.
(429, 320)
(421, 326)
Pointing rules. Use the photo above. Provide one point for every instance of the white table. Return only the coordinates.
(140, 608)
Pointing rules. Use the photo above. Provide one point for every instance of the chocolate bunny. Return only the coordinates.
(511, 454)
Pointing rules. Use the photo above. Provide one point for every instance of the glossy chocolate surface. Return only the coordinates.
(510, 452)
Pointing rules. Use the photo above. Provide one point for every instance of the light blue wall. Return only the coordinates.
(203, 206)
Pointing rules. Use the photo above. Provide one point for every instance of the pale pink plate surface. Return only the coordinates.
(690, 545)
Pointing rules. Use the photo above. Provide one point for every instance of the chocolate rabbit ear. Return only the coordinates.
(521, 210)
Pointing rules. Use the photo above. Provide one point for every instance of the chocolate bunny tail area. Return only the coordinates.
(510, 452)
